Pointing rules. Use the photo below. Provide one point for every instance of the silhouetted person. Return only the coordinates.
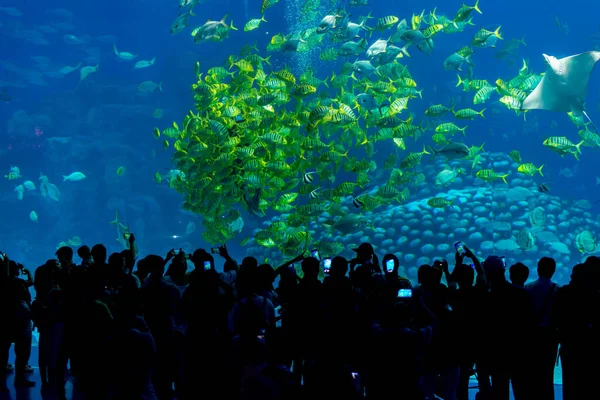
(161, 300)
(575, 314)
(306, 313)
(339, 310)
(395, 371)
(509, 322)
(519, 273)
(468, 305)
(205, 309)
(545, 341)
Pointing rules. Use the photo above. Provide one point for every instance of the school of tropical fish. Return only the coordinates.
(298, 147)
(277, 143)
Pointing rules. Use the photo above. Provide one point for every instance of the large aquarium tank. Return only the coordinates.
(279, 127)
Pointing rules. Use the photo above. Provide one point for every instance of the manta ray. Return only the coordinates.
(564, 86)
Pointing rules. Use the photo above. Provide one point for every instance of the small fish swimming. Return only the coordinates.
(74, 177)
(85, 71)
(149, 87)
(144, 63)
(123, 55)
(452, 151)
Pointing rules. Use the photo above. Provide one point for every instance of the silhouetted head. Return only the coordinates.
(13, 269)
(142, 269)
(494, 270)
(310, 268)
(116, 262)
(339, 267)
(422, 273)
(546, 267)
(129, 259)
(178, 268)
(464, 275)
(199, 258)
(396, 262)
(65, 255)
(519, 273)
(265, 275)
(364, 252)
(99, 253)
(155, 265)
(436, 272)
(249, 263)
(84, 252)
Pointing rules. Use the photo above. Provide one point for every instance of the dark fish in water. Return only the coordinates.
(367, 101)
(543, 188)
(308, 178)
(291, 45)
(357, 203)
(452, 151)
(253, 203)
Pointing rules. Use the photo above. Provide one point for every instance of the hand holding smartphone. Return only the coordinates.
(207, 266)
(404, 293)
(460, 248)
(326, 265)
(315, 253)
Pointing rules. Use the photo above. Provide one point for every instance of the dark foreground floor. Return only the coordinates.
(36, 394)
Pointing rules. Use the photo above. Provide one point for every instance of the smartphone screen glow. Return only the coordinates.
(389, 265)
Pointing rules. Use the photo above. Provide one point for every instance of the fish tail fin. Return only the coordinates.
(404, 50)
(160, 86)
(498, 34)
(224, 18)
(433, 153)
(115, 49)
(65, 178)
(504, 178)
(522, 41)
(463, 131)
(233, 28)
(432, 14)
(476, 7)
(481, 113)
(460, 81)
(540, 170)
(262, 18)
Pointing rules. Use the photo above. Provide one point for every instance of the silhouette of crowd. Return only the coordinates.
(155, 330)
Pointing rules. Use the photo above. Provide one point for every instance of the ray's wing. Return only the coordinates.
(546, 97)
(577, 70)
